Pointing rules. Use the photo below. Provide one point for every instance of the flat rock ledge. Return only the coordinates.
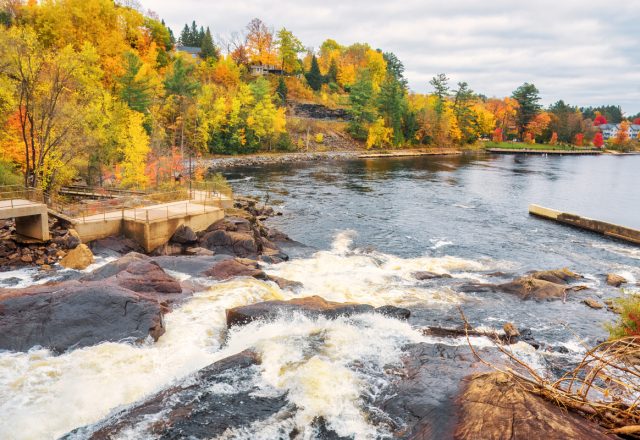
(312, 306)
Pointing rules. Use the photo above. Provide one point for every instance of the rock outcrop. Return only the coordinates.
(312, 306)
(193, 409)
(494, 407)
(78, 258)
(74, 314)
(235, 267)
(539, 286)
(615, 280)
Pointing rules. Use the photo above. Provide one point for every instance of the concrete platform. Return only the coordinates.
(32, 219)
(609, 229)
(150, 226)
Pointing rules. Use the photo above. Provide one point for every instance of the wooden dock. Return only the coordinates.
(532, 151)
(608, 229)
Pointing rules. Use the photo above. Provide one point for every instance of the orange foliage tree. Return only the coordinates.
(579, 140)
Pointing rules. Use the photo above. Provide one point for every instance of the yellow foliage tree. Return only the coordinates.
(379, 135)
(134, 150)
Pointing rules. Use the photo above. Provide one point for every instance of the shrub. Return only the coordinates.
(629, 322)
(319, 138)
(9, 174)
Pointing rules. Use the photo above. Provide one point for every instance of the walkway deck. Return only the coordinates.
(609, 229)
(31, 217)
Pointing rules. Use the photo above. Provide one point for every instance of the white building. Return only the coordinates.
(611, 130)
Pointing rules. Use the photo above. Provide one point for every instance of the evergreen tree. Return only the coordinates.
(185, 36)
(207, 48)
(465, 117)
(193, 35)
(314, 77)
(332, 73)
(527, 96)
(361, 105)
(281, 91)
(396, 68)
(135, 91)
(392, 106)
(440, 83)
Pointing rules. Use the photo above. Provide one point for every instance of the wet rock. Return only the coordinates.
(72, 315)
(114, 267)
(510, 330)
(168, 249)
(285, 284)
(532, 288)
(426, 275)
(119, 244)
(228, 269)
(312, 306)
(615, 280)
(613, 306)
(147, 276)
(184, 235)
(494, 406)
(194, 266)
(26, 258)
(193, 408)
(78, 258)
(240, 244)
(11, 281)
(68, 241)
(592, 303)
(394, 312)
(198, 251)
(558, 276)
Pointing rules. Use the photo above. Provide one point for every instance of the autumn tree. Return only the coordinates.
(289, 46)
(579, 140)
(527, 96)
(598, 140)
(259, 43)
(599, 119)
(56, 94)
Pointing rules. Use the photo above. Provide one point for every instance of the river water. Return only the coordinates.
(367, 225)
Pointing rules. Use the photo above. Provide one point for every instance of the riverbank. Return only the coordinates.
(251, 160)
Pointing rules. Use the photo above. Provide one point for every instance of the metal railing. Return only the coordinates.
(17, 195)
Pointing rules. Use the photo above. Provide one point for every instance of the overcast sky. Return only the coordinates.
(586, 52)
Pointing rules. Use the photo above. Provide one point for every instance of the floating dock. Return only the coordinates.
(608, 229)
(532, 151)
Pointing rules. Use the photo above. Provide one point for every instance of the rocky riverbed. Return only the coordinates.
(220, 334)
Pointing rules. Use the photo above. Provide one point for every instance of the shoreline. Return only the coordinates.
(249, 160)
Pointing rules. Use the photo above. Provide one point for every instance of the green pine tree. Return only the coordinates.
(136, 92)
(282, 91)
(314, 77)
(361, 105)
(207, 48)
(332, 74)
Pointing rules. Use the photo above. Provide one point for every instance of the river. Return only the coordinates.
(366, 226)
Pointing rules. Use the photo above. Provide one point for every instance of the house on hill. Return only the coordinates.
(266, 69)
(611, 130)
(191, 50)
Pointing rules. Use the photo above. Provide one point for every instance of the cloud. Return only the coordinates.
(574, 50)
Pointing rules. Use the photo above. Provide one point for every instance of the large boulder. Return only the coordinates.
(184, 235)
(147, 276)
(73, 314)
(495, 407)
(115, 267)
(541, 285)
(615, 280)
(235, 267)
(78, 258)
(312, 306)
(195, 408)
(240, 244)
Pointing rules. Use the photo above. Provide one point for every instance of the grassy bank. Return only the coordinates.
(541, 147)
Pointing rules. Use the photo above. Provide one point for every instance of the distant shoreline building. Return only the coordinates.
(191, 50)
(264, 69)
(611, 130)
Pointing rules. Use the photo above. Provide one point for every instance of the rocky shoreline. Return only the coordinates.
(126, 300)
(218, 163)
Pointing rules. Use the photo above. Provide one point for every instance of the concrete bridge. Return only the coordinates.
(31, 217)
(151, 225)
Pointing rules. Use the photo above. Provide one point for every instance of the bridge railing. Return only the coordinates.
(17, 195)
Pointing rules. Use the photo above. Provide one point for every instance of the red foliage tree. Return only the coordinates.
(554, 139)
(599, 119)
(598, 141)
(579, 140)
(636, 121)
(497, 135)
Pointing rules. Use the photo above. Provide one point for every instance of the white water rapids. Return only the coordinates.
(43, 396)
